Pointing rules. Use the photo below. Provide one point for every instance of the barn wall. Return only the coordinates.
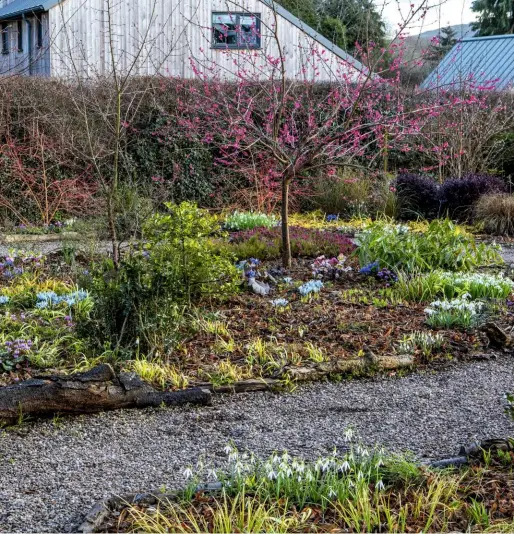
(35, 62)
(143, 37)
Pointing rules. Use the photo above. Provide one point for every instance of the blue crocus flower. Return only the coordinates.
(4, 299)
(332, 218)
(371, 268)
(312, 286)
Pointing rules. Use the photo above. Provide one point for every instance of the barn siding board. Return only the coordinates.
(174, 31)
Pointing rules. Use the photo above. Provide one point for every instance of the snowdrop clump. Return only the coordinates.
(479, 285)
(461, 311)
(336, 476)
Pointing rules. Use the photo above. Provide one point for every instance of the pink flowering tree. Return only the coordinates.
(268, 122)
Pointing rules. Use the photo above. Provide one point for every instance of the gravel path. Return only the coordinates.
(50, 475)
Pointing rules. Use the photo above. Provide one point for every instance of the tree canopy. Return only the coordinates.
(495, 17)
(446, 41)
(344, 22)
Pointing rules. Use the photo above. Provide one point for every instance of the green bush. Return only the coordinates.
(442, 246)
(142, 301)
(249, 220)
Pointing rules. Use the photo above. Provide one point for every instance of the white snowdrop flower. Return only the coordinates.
(228, 449)
(365, 452)
(331, 492)
(233, 456)
(379, 463)
(299, 479)
(212, 474)
(300, 467)
(272, 475)
(188, 473)
(345, 466)
(309, 476)
(360, 475)
(348, 434)
(380, 486)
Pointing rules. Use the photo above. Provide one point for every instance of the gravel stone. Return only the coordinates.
(50, 475)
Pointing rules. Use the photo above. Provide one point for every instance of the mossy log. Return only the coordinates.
(369, 363)
(94, 391)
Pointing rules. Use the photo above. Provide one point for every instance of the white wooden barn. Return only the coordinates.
(88, 38)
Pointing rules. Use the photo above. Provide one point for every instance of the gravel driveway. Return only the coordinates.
(50, 475)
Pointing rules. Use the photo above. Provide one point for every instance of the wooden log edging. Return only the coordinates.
(100, 389)
(96, 390)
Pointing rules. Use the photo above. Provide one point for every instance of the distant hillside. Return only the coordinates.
(461, 30)
(416, 43)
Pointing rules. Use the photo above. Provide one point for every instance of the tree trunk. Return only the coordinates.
(94, 391)
(286, 241)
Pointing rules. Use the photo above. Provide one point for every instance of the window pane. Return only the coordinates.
(248, 31)
(225, 28)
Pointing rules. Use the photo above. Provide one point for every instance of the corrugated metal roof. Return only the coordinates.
(19, 7)
(476, 62)
(323, 41)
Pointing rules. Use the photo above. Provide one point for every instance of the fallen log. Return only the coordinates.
(369, 363)
(96, 390)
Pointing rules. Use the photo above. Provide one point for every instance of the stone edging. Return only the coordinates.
(103, 508)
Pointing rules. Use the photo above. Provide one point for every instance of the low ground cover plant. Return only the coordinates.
(361, 490)
(248, 220)
(442, 246)
(265, 244)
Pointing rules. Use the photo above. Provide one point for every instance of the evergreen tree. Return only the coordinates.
(447, 40)
(495, 17)
(344, 22)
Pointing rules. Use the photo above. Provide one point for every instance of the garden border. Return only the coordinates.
(102, 508)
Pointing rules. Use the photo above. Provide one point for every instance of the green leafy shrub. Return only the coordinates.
(495, 214)
(442, 246)
(144, 299)
(249, 220)
(265, 244)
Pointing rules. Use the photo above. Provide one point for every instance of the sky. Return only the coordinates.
(440, 14)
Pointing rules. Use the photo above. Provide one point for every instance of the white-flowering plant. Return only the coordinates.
(460, 312)
(337, 476)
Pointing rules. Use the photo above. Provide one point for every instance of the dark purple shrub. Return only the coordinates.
(459, 195)
(418, 197)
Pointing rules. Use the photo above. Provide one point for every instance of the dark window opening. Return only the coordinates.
(5, 38)
(39, 32)
(236, 30)
(20, 36)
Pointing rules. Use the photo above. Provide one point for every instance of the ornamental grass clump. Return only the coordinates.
(442, 246)
(249, 220)
(457, 313)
